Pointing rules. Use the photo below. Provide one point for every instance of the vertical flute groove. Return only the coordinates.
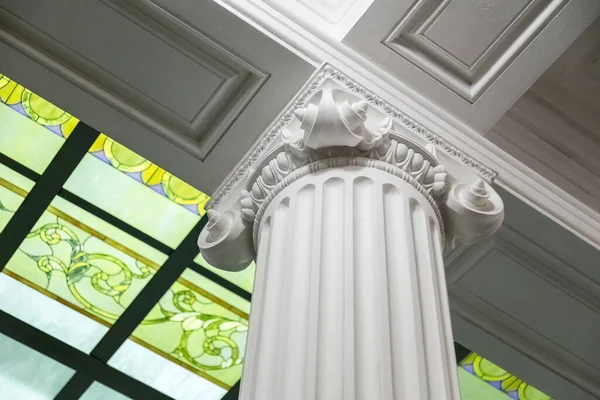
(331, 302)
(444, 310)
(349, 314)
(365, 295)
(297, 289)
(254, 345)
(265, 384)
(385, 344)
(417, 291)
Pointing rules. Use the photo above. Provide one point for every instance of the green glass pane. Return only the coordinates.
(243, 279)
(84, 262)
(500, 379)
(27, 374)
(138, 192)
(98, 391)
(13, 190)
(32, 130)
(200, 326)
(473, 388)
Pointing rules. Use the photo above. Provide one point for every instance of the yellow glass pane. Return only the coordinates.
(84, 262)
(149, 174)
(32, 130)
(243, 279)
(13, 190)
(200, 326)
(137, 191)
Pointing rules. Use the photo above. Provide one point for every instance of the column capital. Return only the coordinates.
(334, 118)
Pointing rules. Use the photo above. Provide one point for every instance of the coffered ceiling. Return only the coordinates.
(191, 85)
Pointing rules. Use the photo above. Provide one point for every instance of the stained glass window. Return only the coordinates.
(84, 263)
(27, 374)
(31, 129)
(244, 279)
(496, 377)
(137, 191)
(199, 326)
(13, 190)
(75, 274)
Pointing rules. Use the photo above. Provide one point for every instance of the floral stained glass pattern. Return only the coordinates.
(83, 262)
(198, 330)
(495, 376)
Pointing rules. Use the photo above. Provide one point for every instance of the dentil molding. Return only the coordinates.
(335, 123)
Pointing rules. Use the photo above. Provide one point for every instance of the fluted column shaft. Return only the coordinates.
(350, 296)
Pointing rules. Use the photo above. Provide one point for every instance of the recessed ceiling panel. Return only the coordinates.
(471, 58)
(162, 73)
(466, 45)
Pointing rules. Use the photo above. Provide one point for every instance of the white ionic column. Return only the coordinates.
(341, 213)
(350, 300)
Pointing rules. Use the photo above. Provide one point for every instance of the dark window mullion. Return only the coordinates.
(233, 394)
(74, 358)
(164, 278)
(220, 281)
(75, 387)
(46, 188)
(18, 167)
(133, 315)
(114, 221)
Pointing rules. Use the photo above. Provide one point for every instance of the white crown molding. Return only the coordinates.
(515, 177)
